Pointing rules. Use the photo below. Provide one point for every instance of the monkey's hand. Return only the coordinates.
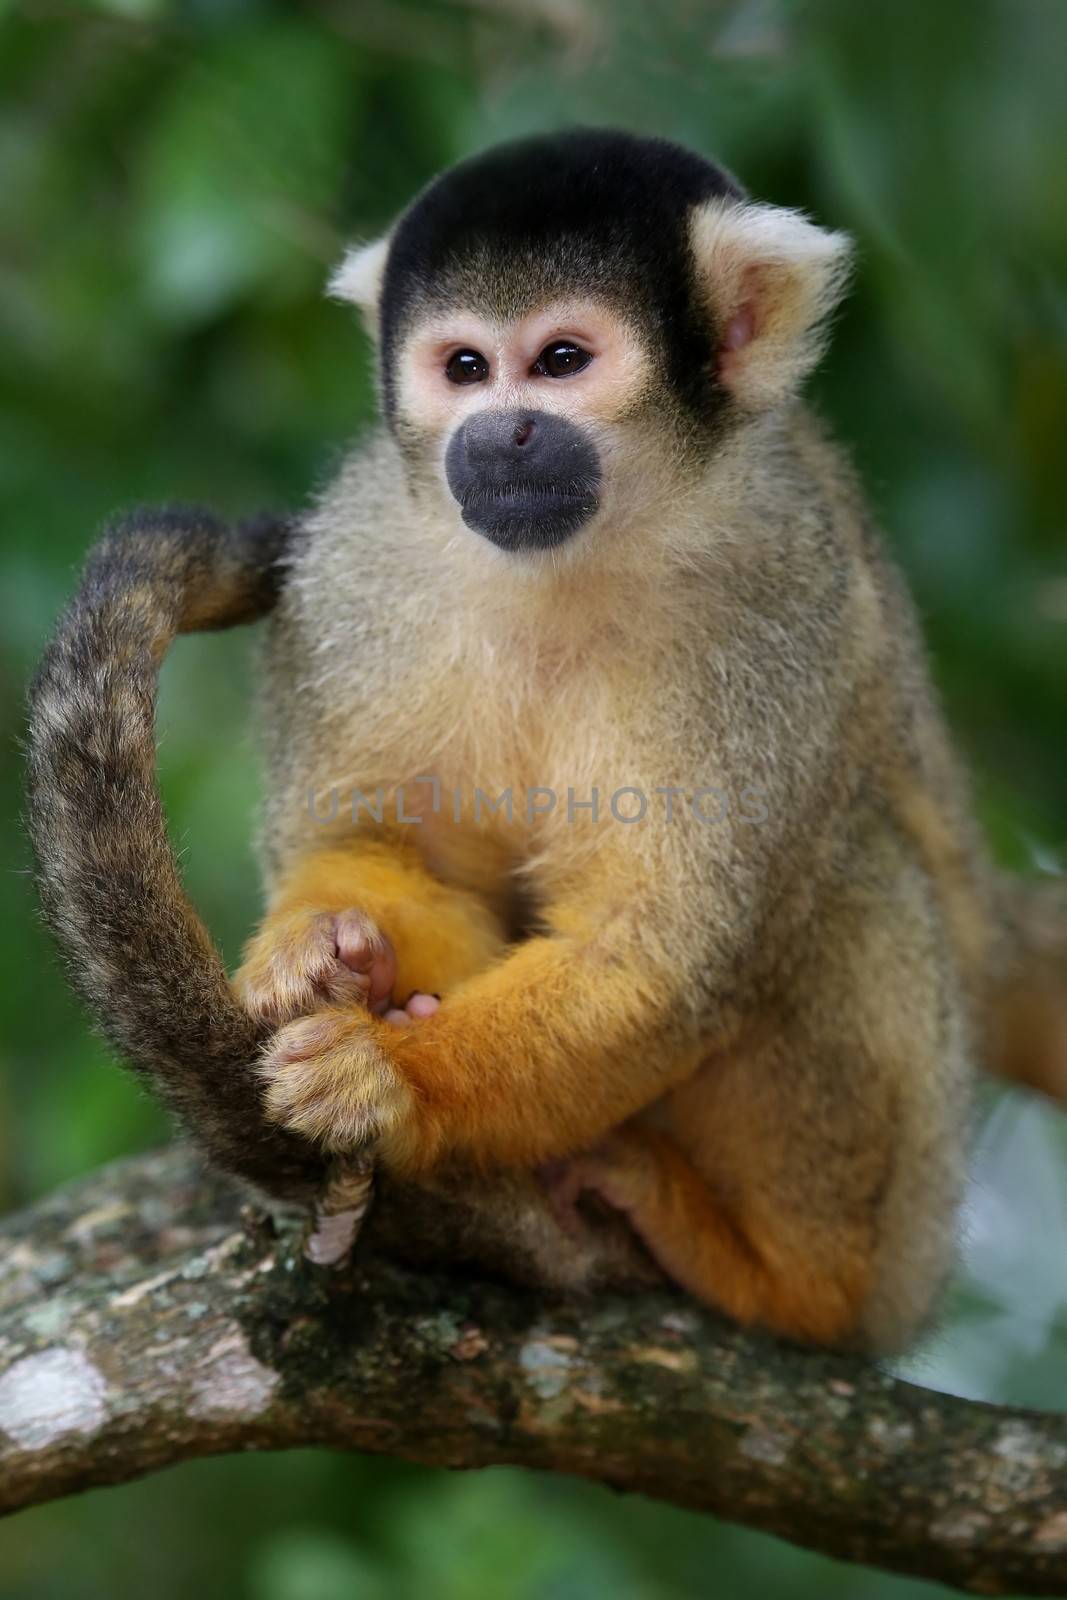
(305, 959)
(330, 1077)
(328, 1074)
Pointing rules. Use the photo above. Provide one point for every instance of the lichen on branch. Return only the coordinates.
(148, 1316)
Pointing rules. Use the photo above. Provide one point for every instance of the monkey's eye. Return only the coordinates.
(467, 366)
(561, 360)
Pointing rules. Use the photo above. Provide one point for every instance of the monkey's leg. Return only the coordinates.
(361, 923)
(807, 1179)
(774, 1275)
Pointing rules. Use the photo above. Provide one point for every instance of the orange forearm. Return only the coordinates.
(540, 1056)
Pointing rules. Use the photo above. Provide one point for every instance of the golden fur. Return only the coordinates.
(754, 1038)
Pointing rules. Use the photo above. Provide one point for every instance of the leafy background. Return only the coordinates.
(177, 178)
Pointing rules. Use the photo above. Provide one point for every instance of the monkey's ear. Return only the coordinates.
(771, 279)
(359, 280)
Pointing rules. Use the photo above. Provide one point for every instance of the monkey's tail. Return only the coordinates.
(109, 883)
(1027, 1028)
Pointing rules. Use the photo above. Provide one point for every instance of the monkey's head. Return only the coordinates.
(572, 326)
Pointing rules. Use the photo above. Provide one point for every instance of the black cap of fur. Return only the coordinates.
(588, 211)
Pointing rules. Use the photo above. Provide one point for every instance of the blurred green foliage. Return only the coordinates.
(177, 178)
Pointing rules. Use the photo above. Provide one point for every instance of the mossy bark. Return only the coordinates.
(148, 1316)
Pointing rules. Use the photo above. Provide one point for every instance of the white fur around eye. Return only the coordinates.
(782, 276)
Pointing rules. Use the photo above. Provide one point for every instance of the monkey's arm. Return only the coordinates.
(530, 1059)
(544, 1053)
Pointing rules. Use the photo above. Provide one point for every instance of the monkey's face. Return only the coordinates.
(569, 329)
(520, 421)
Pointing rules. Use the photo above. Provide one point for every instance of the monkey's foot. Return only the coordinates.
(616, 1171)
(328, 1078)
(301, 960)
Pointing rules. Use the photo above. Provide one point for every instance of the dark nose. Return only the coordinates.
(504, 439)
(524, 479)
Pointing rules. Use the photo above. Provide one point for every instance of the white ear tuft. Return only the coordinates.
(771, 279)
(359, 279)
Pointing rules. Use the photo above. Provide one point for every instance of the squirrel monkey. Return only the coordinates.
(614, 843)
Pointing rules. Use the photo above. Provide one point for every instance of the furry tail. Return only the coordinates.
(109, 883)
(1028, 997)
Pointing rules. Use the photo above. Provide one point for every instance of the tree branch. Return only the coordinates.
(146, 1317)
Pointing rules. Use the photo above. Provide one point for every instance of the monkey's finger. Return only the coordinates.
(366, 951)
(418, 1006)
